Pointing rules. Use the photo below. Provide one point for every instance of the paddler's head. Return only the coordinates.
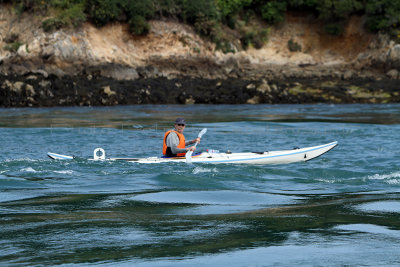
(180, 125)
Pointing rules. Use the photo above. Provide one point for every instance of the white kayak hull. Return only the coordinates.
(268, 157)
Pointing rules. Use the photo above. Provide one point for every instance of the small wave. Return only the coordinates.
(329, 181)
(393, 181)
(28, 169)
(198, 170)
(20, 159)
(384, 176)
(391, 178)
(65, 172)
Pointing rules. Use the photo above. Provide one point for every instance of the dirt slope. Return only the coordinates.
(172, 49)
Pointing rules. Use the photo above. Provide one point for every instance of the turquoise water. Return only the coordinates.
(339, 209)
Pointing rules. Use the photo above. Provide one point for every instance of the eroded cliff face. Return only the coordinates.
(174, 51)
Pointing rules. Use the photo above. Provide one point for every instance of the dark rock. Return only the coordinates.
(20, 91)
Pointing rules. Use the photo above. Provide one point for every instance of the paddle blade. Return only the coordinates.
(202, 132)
(189, 156)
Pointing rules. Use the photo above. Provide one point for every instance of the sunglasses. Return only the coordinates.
(181, 124)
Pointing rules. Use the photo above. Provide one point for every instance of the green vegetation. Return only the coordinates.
(214, 18)
(64, 13)
(12, 42)
(293, 46)
(13, 47)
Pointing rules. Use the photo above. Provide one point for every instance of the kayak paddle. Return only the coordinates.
(189, 153)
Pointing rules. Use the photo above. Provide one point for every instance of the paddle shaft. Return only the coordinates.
(189, 153)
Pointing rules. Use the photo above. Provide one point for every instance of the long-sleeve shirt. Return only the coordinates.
(173, 141)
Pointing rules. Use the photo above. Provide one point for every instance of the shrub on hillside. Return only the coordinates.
(138, 13)
(383, 15)
(338, 9)
(66, 13)
(73, 14)
(13, 47)
(273, 11)
(138, 25)
(194, 10)
(230, 7)
(293, 46)
(103, 11)
(168, 8)
(254, 37)
(51, 24)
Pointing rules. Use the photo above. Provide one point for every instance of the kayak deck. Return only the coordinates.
(267, 157)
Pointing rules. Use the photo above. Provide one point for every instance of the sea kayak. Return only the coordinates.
(212, 156)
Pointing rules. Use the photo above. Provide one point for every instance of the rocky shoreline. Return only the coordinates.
(38, 90)
(91, 66)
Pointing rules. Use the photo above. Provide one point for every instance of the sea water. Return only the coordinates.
(342, 208)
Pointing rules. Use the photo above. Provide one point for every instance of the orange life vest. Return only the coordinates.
(180, 145)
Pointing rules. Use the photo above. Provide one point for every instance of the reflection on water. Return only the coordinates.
(107, 227)
(381, 206)
(140, 116)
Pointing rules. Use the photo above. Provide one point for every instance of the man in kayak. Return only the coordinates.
(174, 144)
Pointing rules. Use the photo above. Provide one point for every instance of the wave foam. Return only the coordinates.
(198, 170)
(28, 169)
(20, 159)
(391, 178)
(65, 172)
(384, 176)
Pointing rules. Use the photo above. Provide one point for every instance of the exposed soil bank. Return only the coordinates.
(35, 90)
(174, 65)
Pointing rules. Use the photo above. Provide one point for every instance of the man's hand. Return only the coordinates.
(196, 140)
(192, 148)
